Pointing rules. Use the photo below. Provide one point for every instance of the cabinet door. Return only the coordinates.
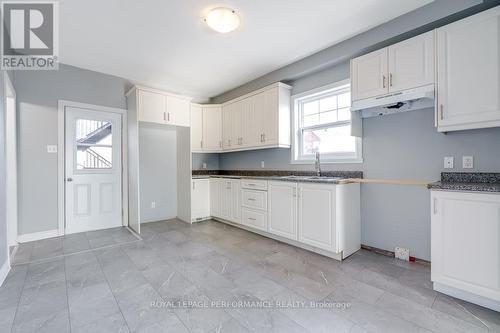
(237, 124)
(151, 107)
(282, 211)
(269, 117)
(468, 75)
(196, 128)
(225, 199)
(465, 242)
(316, 216)
(200, 199)
(215, 197)
(227, 126)
(369, 75)
(257, 118)
(178, 111)
(212, 122)
(411, 63)
(235, 201)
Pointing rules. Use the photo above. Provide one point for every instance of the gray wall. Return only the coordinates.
(158, 172)
(212, 161)
(38, 93)
(3, 193)
(403, 146)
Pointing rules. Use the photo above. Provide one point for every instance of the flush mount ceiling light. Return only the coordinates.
(222, 19)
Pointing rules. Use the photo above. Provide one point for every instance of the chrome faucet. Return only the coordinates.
(317, 165)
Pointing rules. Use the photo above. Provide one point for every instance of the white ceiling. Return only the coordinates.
(166, 44)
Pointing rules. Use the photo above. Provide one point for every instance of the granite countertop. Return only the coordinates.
(468, 182)
(329, 177)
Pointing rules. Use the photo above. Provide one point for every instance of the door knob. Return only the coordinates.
(69, 179)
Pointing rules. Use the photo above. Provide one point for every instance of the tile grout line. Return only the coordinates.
(67, 296)
(111, 289)
(19, 300)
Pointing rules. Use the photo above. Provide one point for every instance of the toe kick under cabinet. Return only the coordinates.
(323, 218)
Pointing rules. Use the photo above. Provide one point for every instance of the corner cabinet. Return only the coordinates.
(468, 75)
(258, 120)
(154, 106)
(405, 65)
(465, 246)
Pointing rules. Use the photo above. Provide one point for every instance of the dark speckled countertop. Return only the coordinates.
(468, 182)
(327, 177)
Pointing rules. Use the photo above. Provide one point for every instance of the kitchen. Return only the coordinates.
(361, 176)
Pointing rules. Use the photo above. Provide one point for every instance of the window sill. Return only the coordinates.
(326, 161)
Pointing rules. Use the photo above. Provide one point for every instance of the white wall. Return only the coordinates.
(157, 171)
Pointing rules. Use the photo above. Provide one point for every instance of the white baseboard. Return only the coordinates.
(158, 220)
(467, 296)
(37, 236)
(4, 271)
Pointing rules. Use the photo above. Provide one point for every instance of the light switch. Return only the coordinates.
(448, 162)
(204, 166)
(52, 149)
(262, 164)
(468, 162)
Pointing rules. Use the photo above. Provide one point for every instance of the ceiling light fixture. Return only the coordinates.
(222, 19)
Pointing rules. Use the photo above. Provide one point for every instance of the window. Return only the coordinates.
(94, 146)
(322, 123)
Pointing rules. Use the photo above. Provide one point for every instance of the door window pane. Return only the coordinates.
(94, 144)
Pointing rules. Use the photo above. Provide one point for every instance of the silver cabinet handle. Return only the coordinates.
(194, 185)
(383, 81)
(264, 137)
(390, 79)
(69, 180)
(435, 206)
(168, 116)
(201, 144)
(164, 116)
(251, 199)
(220, 144)
(441, 115)
(252, 219)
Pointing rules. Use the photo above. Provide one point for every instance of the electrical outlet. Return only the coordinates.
(468, 162)
(204, 166)
(52, 149)
(262, 164)
(448, 162)
(153, 204)
(402, 253)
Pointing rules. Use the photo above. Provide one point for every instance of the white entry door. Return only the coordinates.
(93, 163)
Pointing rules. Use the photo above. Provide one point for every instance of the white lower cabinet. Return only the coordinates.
(282, 211)
(200, 199)
(316, 216)
(465, 246)
(254, 218)
(225, 199)
(215, 184)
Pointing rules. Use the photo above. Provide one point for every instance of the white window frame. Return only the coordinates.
(297, 157)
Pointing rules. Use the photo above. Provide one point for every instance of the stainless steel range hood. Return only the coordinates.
(406, 100)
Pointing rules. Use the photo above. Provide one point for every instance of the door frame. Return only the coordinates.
(12, 203)
(61, 158)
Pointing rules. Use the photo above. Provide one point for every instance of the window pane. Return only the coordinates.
(344, 100)
(329, 140)
(310, 108)
(328, 104)
(328, 117)
(311, 120)
(344, 114)
(94, 144)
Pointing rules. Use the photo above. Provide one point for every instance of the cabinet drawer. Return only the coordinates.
(254, 199)
(254, 184)
(254, 219)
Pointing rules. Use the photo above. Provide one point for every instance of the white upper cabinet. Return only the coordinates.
(411, 63)
(369, 75)
(151, 107)
(212, 130)
(405, 65)
(154, 106)
(178, 111)
(196, 128)
(468, 73)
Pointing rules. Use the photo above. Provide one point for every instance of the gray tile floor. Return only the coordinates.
(177, 278)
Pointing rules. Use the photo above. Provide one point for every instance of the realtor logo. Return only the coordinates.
(29, 32)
